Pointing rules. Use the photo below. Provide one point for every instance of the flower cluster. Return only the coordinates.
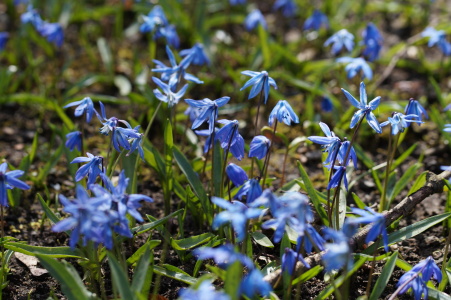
(157, 23)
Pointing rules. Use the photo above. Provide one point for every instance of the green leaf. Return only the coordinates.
(384, 278)
(192, 241)
(419, 182)
(357, 201)
(141, 250)
(308, 275)
(48, 212)
(232, 279)
(262, 239)
(44, 251)
(404, 180)
(411, 231)
(120, 279)
(403, 156)
(71, 283)
(312, 194)
(50, 164)
(153, 224)
(437, 295)
(141, 271)
(174, 273)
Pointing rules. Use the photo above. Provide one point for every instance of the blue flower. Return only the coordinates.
(92, 169)
(154, 20)
(415, 108)
(208, 111)
(205, 291)
(338, 177)
(86, 216)
(196, 55)
(312, 238)
(236, 174)
(223, 256)
(316, 20)
(237, 2)
(288, 7)
(377, 220)
(169, 96)
(437, 37)
(8, 180)
(53, 32)
(260, 81)
(365, 108)
(209, 135)
(399, 122)
(283, 113)
(355, 65)
(259, 146)
(136, 142)
(330, 143)
(229, 137)
(235, 212)
(342, 38)
(352, 156)
(31, 16)
(289, 259)
(251, 189)
(338, 253)
(254, 284)
(326, 104)
(254, 19)
(4, 36)
(373, 42)
(73, 140)
(83, 106)
(170, 34)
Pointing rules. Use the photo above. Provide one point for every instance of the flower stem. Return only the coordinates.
(255, 130)
(268, 155)
(282, 181)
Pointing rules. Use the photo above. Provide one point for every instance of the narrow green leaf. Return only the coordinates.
(217, 168)
(419, 182)
(48, 212)
(71, 283)
(384, 278)
(411, 230)
(233, 276)
(138, 253)
(262, 239)
(44, 251)
(120, 279)
(312, 194)
(174, 273)
(308, 275)
(437, 295)
(358, 201)
(403, 156)
(404, 180)
(140, 272)
(153, 224)
(192, 241)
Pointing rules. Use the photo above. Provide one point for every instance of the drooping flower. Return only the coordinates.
(283, 113)
(92, 169)
(196, 55)
(4, 36)
(378, 228)
(205, 291)
(326, 104)
(288, 7)
(8, 180)
(372, 40)
(338, 177)
(338, 253)
(254, 19)
(230, 138)
(259, 81)
(154, 19)
(259, 146)
(223, 256)
(340, 39)
(170, 34)
(83, 106)
(251, 189)
(289, 259)
(311, 240)
(236, 213)
(316, 20)
(253, 284)
(365, 108)
(136, 142)
(399, 122)
(52, 32)
(330, 143)
(415, 108)
(209, 135)
(437, 37)
(31, 16)
(208, 111)
(73, 140)
(352, 156)
(355, 65)
(236, 174)
(168, 96)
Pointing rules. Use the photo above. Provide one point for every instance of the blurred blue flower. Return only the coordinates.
(283, 113)
(4, 36)
(326, 104)
(236, 174)
(223, 256)
(338, 177)
(53, 32)
(288, 7)
(170, 34)
(8, 180)
(168, 96)
(251, 189)
(196, 55)
(365, 108)
(253, 19)
(154, 19)
(237, 2)
(31, 16)
(355, 65)
(229, 137)
(372, 40)
(338, 253)
(290, 258)
(92, 169)
(83, 106)
(236, 213)
(259, 81)
(136, 143)
(121, 137)
(399, 122)
(428, 270)
(208, 111)
(73, 140)
(415, 108)
(209, 135)
(205, 291)
(86, 215)
(437, 37)
(330, 143)
(316, 20)
(253, 284)
(377, 220)
(340, 39)
(259, 146)
(310, 239)
(192, 113)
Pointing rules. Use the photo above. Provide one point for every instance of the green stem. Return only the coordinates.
(387, 174)
(282, 181)
(255, 129)
(113, 167)
(268, 155)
